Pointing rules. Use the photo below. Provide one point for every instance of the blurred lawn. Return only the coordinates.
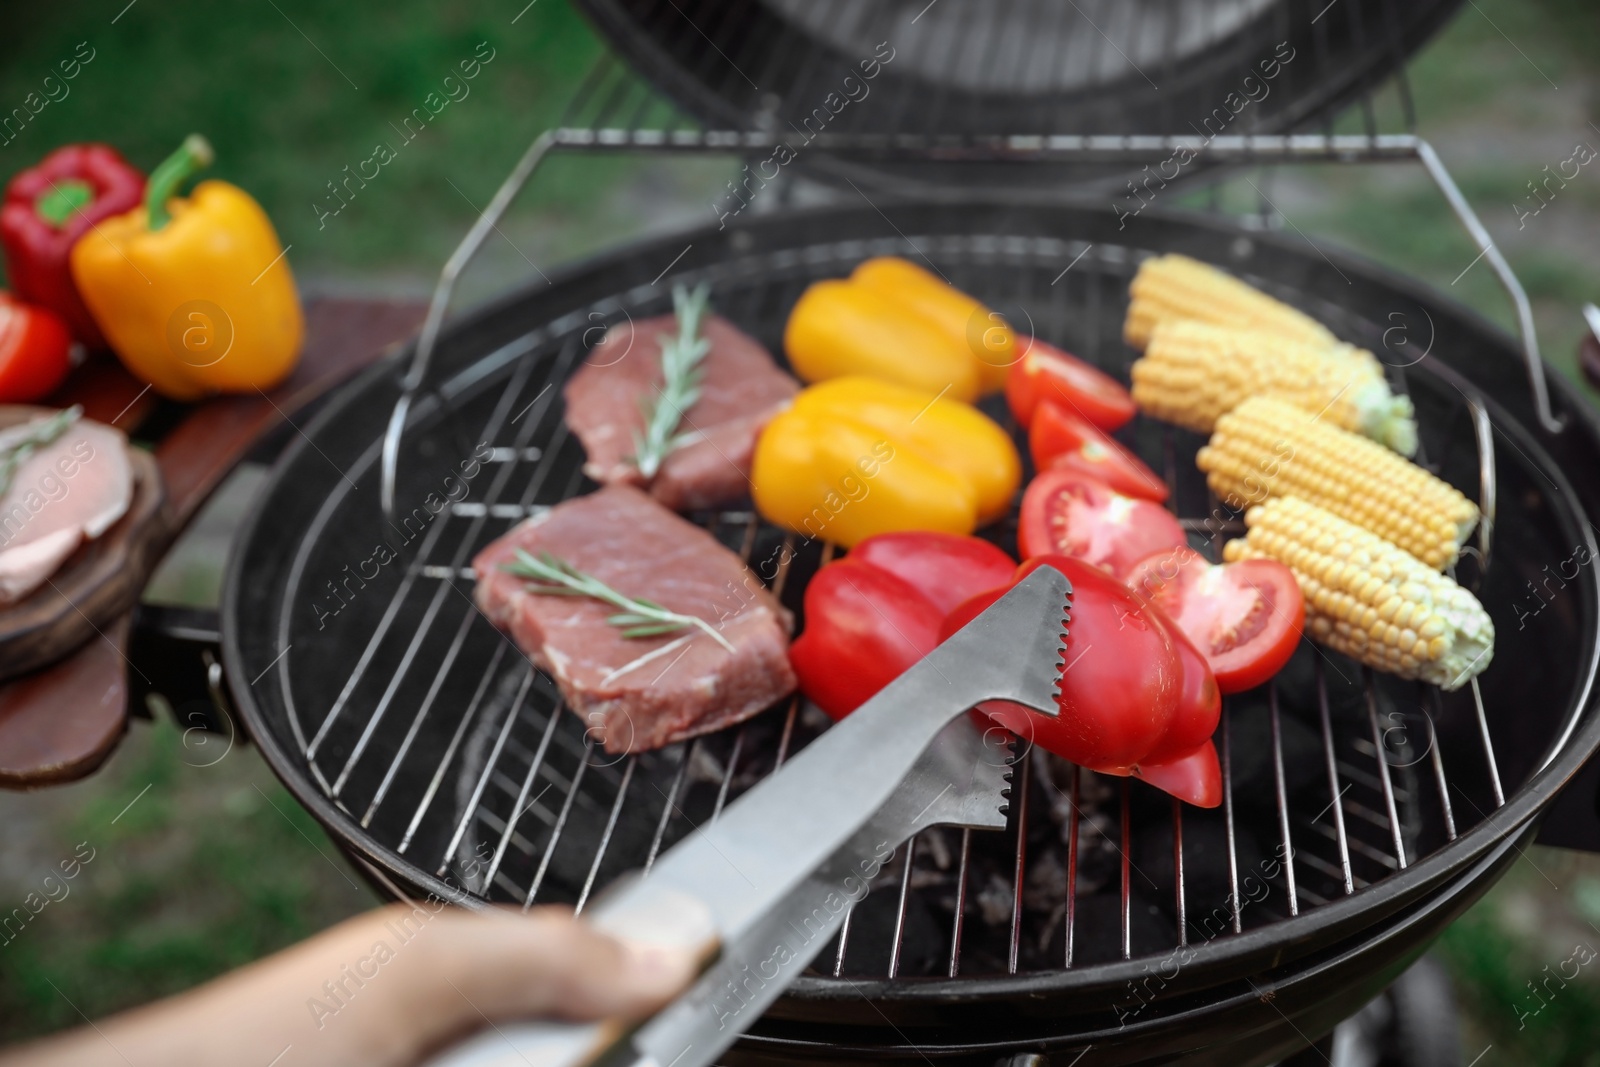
(1508, 956)
(1483, 99)
(214, 866)
(291, 92)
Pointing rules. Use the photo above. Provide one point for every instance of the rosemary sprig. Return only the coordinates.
(20, 442)
(680, 386)
(638, 618)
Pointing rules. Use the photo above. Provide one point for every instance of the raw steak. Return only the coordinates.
(639, 693)
(69, 491)
(741, 388)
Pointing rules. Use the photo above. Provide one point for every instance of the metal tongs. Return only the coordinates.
(777, 871)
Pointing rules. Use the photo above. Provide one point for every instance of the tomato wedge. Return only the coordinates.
(1245, 617)
(1123, 679)
(1045, 371)
(1071, 514)
(1126, 663)
(1195, 778)
(1061, 440)
(1199, 700)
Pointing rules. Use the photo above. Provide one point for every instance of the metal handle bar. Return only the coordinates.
(1272, 148)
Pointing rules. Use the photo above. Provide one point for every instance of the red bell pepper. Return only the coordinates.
(946, 568)
(47, 208)
(35, 352)
(1137, 698)
(1195, 779)
(876, 612)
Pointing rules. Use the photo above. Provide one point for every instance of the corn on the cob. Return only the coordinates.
(1193, 373)
(1367, 598)
(1177, 287)
(1267, 447)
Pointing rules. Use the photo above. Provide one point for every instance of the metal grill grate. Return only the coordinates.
(959, 68)
(444, 745)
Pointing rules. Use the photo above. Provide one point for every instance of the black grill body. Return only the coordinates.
(420, 737)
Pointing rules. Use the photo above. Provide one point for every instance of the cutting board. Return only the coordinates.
(97, 584)
(59, 722)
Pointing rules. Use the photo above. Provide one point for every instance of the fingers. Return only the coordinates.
(546, 964)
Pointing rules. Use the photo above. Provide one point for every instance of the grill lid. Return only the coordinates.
(973, 69)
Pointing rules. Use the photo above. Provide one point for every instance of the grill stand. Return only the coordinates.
(1130, 150)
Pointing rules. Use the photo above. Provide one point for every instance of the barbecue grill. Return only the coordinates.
(1108, 922)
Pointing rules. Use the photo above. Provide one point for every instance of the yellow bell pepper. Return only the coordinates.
(853, 457)
(981, 331)
(194, 295)
(840, 327)
(895, 321)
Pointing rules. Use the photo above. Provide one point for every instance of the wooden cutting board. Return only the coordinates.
(97, 584)
(58, 723)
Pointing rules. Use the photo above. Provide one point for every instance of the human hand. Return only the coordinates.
(384, 989)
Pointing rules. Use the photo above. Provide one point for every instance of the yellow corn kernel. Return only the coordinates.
(1368, 599)
(1177, 287)
(1267, 447)
(1192, 373)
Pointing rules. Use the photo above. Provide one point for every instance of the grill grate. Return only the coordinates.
(445, 745)
(959, 68)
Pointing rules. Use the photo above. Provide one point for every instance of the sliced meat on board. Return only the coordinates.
(741, 389)
(640, 693)
(66, 493)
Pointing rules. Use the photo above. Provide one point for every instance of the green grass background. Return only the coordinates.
(213, 866)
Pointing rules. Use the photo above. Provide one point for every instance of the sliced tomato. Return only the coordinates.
(1245, 617)
(1199, 700)
(945, 568)
(1122, 680)
(1116, 658)
(1071, 514)
(1195, 778)
(1061, 440)
(1045, 371)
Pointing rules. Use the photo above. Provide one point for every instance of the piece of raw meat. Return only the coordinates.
(741, 389)
(640, 693)
(69, 491)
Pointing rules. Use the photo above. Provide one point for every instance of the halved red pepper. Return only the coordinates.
(47, 208)
(946, 568)
(876, 612)
(1137, 698)
(1195, 779)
